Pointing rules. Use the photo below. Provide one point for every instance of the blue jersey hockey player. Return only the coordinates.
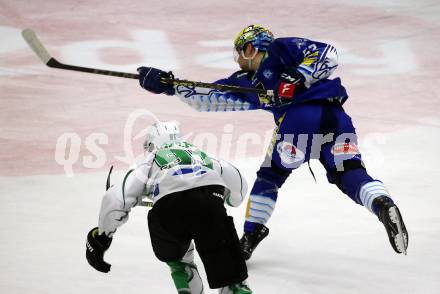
(310, 124)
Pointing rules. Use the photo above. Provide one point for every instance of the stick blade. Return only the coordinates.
(31, 38)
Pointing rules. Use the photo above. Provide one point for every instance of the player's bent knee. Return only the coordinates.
(334, 175)
(273, 173)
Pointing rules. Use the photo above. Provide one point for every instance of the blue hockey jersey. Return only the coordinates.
(316, 61)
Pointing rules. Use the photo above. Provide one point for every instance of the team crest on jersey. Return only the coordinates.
(345, 149)
(289, 153)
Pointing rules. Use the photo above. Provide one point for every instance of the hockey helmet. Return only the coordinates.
(257, 35)
(161, 133)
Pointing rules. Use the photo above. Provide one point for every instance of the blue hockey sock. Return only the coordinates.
(263, 196)
(352, 181)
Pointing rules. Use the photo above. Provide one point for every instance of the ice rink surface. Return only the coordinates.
(61, 130)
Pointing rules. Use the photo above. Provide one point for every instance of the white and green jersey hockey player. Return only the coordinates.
(171, 166)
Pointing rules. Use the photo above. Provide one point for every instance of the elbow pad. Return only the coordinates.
(235, 183)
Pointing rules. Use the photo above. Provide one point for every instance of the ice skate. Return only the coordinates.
(390, 216)
(250, 240)
(240, 288)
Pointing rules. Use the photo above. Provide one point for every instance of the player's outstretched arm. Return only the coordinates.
(199, 98)
(202, 99)
(154, 80)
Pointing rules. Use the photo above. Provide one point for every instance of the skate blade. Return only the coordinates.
(401, 239)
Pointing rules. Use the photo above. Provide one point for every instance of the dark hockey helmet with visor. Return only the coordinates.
(257, 35)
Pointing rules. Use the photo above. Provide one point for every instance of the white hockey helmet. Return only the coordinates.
(161, 133)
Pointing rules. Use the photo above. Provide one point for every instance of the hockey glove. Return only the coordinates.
(291, 82)
(96, 246)
(153, 80)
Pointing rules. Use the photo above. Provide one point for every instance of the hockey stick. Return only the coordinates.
(145, 203)
(108, 185)
(31, 38)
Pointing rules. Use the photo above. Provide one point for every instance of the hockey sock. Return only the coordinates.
(263, 196)
(370, 191)
(185, 275)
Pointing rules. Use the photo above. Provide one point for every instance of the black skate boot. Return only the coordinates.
(389, 215)
(250, 240)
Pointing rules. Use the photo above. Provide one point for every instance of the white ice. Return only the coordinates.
(319, 241)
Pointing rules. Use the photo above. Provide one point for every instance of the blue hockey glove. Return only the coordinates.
(291, 82)
(96, 246)
(152, 79)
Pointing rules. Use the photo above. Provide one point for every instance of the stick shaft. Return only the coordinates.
(56, 64)
(39, 49)
(146, 203)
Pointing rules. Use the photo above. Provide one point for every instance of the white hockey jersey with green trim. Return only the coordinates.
(174, 167)
(180, 166)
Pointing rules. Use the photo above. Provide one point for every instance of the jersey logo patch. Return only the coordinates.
(286, 90)
(217, 195)
(345, 149)
(289, 153)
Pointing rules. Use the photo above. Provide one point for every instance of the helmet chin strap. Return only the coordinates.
(249, 58)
